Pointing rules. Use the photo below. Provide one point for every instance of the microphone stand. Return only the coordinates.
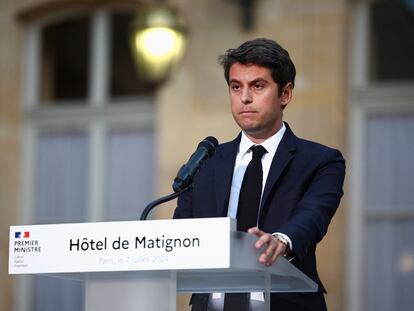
(161, 200)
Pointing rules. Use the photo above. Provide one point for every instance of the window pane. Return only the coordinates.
(392, 26)
(124, 77)
(389, 266)
(388, 252)
(65, 60)
(61, 179)
(390, 165)
(130, 173)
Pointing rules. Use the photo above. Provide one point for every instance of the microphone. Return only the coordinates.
(205, 149)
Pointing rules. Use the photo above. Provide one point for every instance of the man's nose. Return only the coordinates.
(246, 96)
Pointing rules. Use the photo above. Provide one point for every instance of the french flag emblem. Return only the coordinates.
(24, 234)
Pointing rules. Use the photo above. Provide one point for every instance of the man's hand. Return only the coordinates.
(274, 248)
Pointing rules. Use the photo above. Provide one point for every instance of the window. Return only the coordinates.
(389, 212)
(381, 170)
(392, 39)
(88, 133)
(65, 60)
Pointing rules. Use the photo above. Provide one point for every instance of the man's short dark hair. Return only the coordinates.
(262, 52)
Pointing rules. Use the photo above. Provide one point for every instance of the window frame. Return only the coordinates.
(96, 117)
(366, 98)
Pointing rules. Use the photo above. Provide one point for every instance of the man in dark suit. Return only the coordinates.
(300, 181)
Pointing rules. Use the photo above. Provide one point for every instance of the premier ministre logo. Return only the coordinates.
(23, 243)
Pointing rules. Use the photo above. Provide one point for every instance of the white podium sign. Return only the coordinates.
(121, 246)
(144, 263)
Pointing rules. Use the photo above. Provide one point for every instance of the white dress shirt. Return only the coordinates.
(244, 155)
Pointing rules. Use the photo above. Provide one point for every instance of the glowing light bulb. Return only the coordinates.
(158, 41)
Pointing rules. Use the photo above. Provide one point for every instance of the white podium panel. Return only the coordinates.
(147, 262)
(120, 246)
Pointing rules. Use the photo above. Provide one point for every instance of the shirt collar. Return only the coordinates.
(270, 144)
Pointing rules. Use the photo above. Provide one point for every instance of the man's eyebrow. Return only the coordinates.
(260, 79)
(234, 81)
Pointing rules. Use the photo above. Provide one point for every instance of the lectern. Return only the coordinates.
(140, 265)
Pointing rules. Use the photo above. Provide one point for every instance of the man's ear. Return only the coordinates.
(286, 94)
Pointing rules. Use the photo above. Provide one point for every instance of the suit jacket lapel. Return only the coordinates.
(223, 170)
(224, 167)
(283, 156)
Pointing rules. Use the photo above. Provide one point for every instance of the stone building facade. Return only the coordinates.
(326, 41)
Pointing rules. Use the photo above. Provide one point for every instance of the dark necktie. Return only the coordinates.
(251, 191)
(247, 213)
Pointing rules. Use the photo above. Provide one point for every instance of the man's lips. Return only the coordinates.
(247, 112)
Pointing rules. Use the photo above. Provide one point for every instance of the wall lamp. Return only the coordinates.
(158, 40)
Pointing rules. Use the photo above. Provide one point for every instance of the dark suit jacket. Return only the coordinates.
(301, 195)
